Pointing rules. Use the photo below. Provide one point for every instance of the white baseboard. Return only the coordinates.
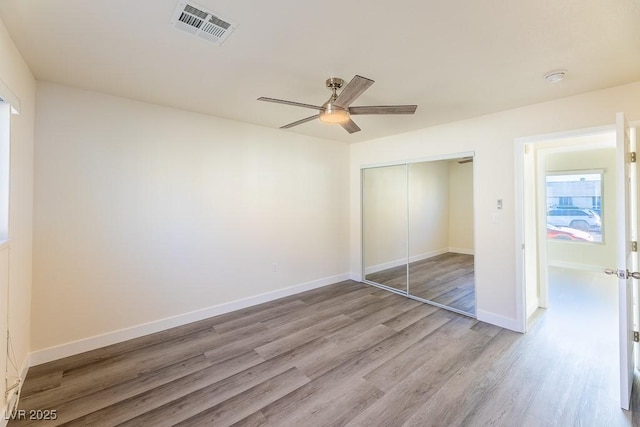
(355, 277)
(498, 320)
(385, 266)
(427, 255)
(576, 266)
(463, 251)
(403, 261)
(80, 346)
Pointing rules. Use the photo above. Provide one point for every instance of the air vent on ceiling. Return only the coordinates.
(195, 20)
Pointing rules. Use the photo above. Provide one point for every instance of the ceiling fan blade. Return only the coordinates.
(299, 122)
(350, 126)
(384, 109)
(352, 90)
(295, 104)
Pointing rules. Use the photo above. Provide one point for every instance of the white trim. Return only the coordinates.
(9, 97)
(403, 261)
(463, 251)
(24, 370)
(23, 376)
(420, 160)
(356, 277)
(542, 255)
(566, 134)
(428, 255)
(385, 265)
(86, 344)
(519, 150)
(520, 281)
(498, 320)
(26, 364)
(5, 169)
(576, 266)
(532, 306)
(575, 171)
(4, 417)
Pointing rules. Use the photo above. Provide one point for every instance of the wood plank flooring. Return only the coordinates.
(447, 279)
(346, 354)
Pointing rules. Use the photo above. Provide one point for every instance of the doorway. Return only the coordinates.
(566, 277)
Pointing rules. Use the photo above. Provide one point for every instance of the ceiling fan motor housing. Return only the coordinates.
(333, 114)
(334, 83)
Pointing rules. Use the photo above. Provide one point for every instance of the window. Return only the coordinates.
(574, 206)
(565, 201)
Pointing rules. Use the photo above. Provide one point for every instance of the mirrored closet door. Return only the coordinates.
(385, 226)
(418, 231)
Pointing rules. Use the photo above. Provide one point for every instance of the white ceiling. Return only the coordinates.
(456, 59)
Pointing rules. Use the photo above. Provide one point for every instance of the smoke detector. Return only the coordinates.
(555, 76)
(192, 18)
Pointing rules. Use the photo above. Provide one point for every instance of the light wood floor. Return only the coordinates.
(346, 354)
(447, 279)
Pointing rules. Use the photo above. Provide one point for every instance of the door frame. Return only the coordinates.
(530, 254)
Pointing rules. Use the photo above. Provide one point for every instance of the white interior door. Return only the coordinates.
(625, 261)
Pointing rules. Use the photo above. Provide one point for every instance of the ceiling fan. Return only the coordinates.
(337, 110)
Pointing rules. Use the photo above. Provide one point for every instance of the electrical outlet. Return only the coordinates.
(274, 267)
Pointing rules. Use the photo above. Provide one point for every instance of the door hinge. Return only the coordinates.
(636, 336)
(632, 157)
(634, 246)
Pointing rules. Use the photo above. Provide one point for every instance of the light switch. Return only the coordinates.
(499, 204)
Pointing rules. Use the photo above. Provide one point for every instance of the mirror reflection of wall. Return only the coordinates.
(432, 203)
(385, 225)
(441, 267)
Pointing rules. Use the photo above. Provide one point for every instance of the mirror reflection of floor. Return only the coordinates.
(447, 279)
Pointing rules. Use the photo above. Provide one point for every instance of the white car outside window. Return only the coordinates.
(580, 219)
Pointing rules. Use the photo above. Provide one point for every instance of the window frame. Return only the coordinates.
(559, 207)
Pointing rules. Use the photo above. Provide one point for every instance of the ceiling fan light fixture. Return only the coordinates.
(333, 115)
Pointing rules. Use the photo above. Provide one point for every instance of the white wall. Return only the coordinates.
(492, 137)
(151, 212)
(385, 217)
(403, 199)
(428, 209)
(460, 238)
(145, 212)
(17, 78)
